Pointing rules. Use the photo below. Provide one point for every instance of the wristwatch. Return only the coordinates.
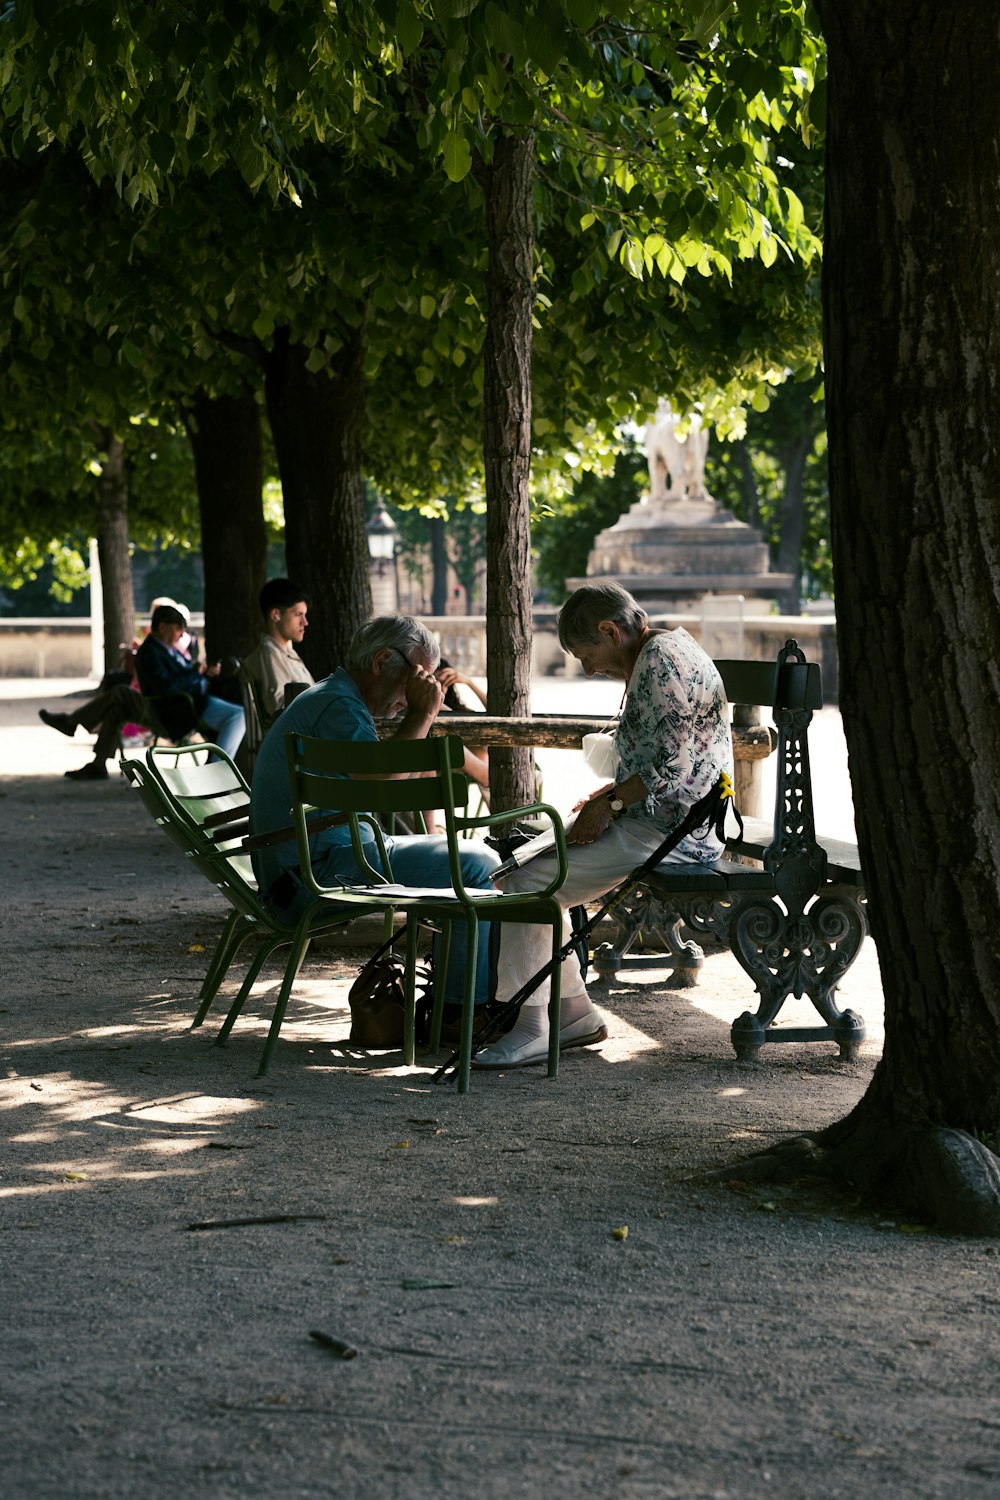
(617, 805)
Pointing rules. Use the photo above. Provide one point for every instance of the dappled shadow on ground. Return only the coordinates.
(544, 1292)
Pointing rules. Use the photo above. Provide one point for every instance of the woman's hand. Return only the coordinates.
(593, 820)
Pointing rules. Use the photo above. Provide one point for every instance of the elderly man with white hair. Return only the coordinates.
(390, 669)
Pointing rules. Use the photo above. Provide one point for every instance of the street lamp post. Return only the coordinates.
(382, 535)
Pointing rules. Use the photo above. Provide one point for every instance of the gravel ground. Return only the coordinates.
(738, 1342)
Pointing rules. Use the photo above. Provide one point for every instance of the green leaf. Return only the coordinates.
(632, 259)
(427, 306)
(707, 24)
(316, 361)
(423, 376)
(583, 13)
(587, 220)
(409, 29)
(817, 104)
(132, 354)
(505, 33)
(457, 156)
(20, 308)
(263, 326)
(545, 34)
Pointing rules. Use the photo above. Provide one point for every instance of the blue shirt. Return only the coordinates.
(332, 710)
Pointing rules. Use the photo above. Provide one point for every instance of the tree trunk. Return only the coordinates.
(317, 421)
(228, 463)
(113, 550)
(788, 553)
(439, 565)
(507, 453)
(751, 494)
(911, 268)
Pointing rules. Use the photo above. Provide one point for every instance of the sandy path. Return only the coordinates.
(739, 1343)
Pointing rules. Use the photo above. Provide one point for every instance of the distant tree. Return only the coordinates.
(775, 477)
(563, 531)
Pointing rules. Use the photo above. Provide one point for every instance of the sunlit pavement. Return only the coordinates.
(29, 748)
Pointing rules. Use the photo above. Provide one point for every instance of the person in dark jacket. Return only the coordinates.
(185, 692)
(184, 698)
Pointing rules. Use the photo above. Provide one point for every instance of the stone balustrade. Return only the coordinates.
(61, 647)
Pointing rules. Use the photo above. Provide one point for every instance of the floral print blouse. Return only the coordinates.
(674, 734)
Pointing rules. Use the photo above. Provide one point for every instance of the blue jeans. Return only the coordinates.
(227, 722)
(422, 860)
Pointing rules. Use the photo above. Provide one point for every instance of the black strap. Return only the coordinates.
(709, 813)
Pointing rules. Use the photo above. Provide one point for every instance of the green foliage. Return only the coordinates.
(179, 191)
(751, 476)
(563, 531)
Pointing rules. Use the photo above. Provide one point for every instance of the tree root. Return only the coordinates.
(936, 1174)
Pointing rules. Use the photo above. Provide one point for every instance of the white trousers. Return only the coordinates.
(594, 869)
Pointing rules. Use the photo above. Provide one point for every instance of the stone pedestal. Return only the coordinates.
(670, 552)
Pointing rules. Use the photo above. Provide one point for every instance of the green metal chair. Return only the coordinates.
(349, 777)
(198, 797)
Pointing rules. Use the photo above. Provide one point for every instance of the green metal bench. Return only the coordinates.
(797, 923)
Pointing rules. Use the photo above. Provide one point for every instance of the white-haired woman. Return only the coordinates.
(672, 743)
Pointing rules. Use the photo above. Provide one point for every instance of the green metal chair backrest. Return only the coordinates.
(199, 791)
(230, 875)
(340, 776)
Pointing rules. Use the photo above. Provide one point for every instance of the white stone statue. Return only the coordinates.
(682, 458)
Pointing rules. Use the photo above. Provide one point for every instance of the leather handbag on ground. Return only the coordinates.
(377, 1000)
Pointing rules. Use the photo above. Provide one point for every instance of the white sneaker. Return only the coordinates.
(513, 1052)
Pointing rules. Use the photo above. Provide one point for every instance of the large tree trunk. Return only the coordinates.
(913, 362)
(226, 442)
(439, 565)
(113, 549)
(317, 421)
(507, 451)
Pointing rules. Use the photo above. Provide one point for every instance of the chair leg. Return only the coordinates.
(250, 978)
(555, 1000)
(300, 948)
(440, 974)
(468, 1002)
(410, 993)
(225, 951)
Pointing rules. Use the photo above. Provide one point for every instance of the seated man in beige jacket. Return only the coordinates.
(275, 661)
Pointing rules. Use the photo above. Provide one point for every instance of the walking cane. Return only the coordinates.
(707, 813)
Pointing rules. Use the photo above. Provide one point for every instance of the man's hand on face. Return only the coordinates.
(424, 694)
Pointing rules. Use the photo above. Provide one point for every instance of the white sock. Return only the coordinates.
(534, 1019)
(531, 1023)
